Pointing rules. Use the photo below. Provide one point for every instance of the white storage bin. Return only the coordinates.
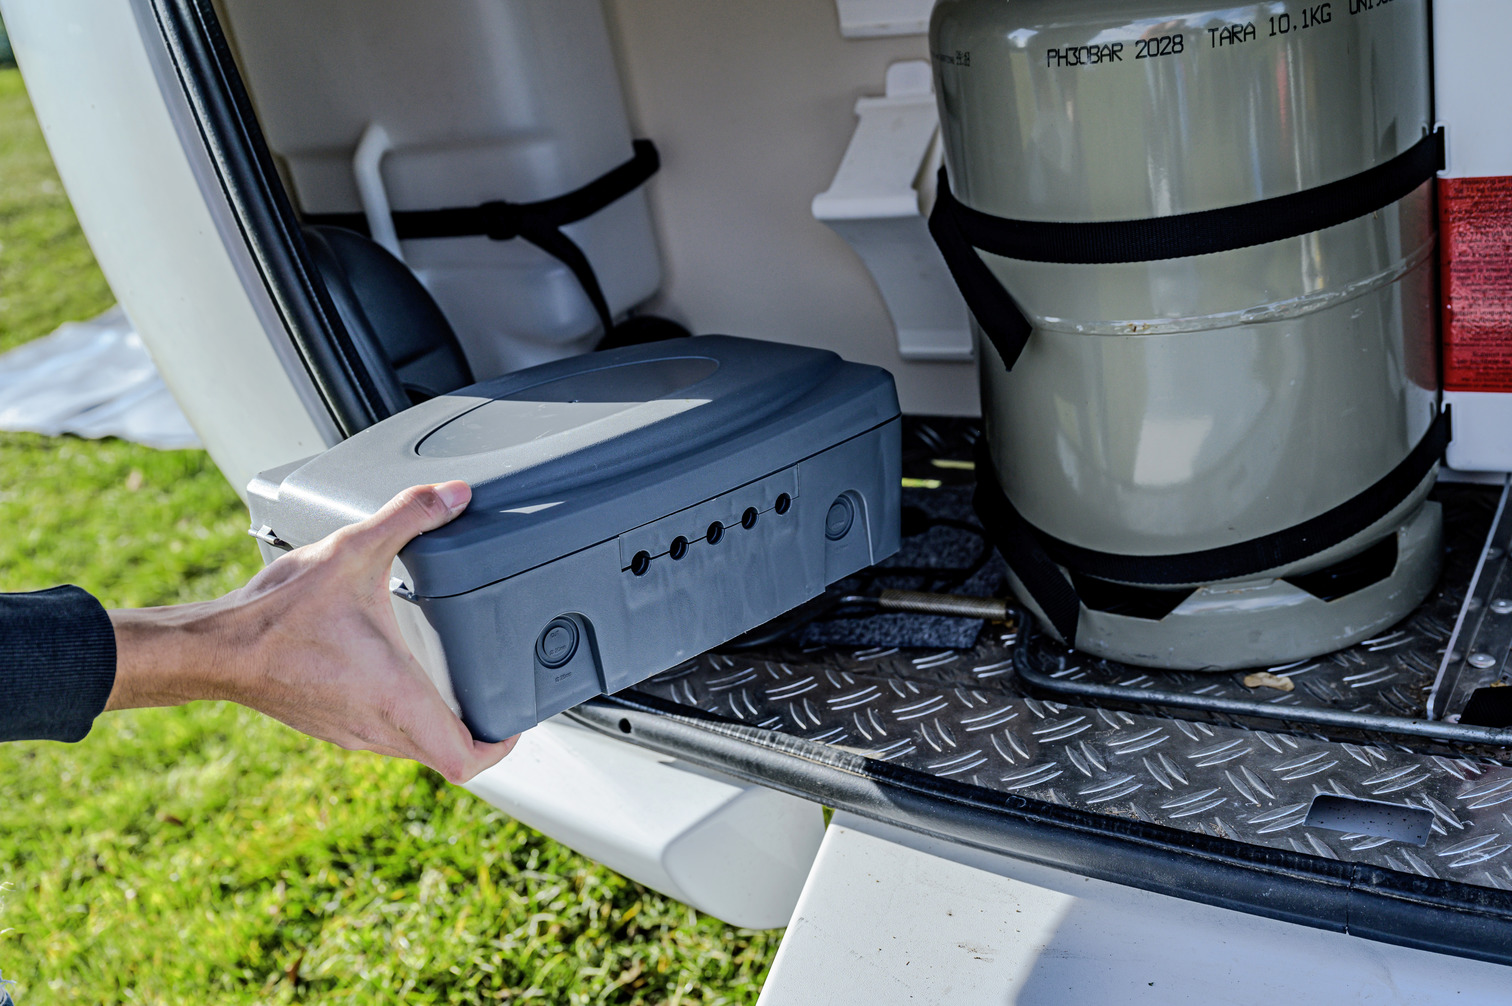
(474, 101)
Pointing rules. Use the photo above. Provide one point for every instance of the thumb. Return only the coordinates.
(411, 512)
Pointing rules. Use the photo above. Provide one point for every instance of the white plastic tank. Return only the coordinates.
(461, 102)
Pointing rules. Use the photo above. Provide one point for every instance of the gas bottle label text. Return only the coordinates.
(1308, 17)
(1088, 55)
(1232, 34)
(1299, 17)
(1160, 45)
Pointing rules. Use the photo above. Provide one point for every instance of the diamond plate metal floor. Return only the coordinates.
(960, 715)
(966, 715)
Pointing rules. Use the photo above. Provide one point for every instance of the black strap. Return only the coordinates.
(1033, 554)
(961, 231)
(996, 313)
(1026, 557)
(539, 223)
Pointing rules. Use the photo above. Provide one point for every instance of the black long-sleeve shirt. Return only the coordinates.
(57, 664)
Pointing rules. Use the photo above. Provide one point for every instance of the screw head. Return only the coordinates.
(1481, 660)
(1502, 605)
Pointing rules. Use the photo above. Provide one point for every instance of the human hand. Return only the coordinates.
(312, 641)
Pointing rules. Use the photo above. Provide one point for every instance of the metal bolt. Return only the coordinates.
(1502, 605)
(1482, 660)
(1493, 553)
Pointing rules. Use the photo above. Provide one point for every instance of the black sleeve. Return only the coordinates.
(57, 664)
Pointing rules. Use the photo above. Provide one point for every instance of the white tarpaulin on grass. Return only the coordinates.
(92, 379)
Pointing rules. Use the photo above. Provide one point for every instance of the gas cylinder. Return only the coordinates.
(1210, 444)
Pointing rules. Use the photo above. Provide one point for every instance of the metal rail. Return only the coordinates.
(1337, 718)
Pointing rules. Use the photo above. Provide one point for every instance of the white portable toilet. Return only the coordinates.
(393, 109)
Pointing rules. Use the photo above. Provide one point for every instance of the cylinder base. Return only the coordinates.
(1265, 622)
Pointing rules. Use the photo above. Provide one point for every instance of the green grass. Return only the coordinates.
(208, 854)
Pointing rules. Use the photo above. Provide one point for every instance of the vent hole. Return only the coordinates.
(624, 726)
(1122, 599)
(1350, 575)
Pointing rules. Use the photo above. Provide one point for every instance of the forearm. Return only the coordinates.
(311, 640)
(169, 656)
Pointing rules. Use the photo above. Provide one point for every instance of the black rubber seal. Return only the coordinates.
(1356, 899)
(227, 125)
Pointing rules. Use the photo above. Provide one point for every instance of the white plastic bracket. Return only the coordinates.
(875, 18)
(879, 203)
(375, 203)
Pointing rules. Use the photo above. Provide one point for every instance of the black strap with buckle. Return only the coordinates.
(1037, 557)
(961, 232)
(540, 222)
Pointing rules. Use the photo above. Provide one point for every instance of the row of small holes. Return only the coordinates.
(679, 547)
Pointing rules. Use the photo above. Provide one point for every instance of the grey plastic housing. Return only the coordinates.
(533, 600)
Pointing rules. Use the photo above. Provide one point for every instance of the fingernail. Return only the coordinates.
(454, 494)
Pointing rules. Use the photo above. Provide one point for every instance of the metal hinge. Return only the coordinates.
(265, 535)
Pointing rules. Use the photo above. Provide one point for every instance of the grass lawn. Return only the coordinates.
(207, 854)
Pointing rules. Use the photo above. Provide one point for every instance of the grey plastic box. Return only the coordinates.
(630, 510)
